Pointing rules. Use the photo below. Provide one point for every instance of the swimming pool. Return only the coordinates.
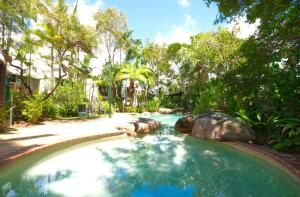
(165, 163)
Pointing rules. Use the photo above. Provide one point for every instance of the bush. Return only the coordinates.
(3, 119)
(104, 106)
(202, 104)
(68, 98)
(172, 101)
(130, 109)
(152, 105)
(50, 109)
(33, 109)
(18, 99)
(140, 109)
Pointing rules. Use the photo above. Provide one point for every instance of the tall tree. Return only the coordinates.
(110, 28)
(15, 16)
(65, 35)
(278, 31)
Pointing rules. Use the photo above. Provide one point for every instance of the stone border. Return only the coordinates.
(72, 141)
(287, 162)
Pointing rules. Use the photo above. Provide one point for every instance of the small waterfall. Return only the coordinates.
(163, 132)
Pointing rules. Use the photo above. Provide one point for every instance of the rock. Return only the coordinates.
(178, 111)
(142, 125)
(221, 127)
(185, 124)
(146, 125)
(146, 114)
(128, 129)
(165, 111)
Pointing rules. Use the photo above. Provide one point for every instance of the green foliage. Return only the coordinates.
(51, 109)
(110, 28)
(202, 104)
(130, 109)
(135, 72)
(152, 105)
(104, 76)
(104, 106)
(171, 101)
(140, 109)
(68, 98)
(18, 99)
(290, 139)
(33, 108)
(3, 119)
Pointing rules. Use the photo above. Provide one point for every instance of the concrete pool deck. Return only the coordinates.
(29, 139)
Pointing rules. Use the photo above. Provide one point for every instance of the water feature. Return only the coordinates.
(163, 164)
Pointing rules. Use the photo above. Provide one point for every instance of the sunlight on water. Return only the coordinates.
(165, 163)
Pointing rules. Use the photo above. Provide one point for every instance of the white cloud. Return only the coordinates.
(184, 3)
(180, 33)
(86, 11)
(242, 28)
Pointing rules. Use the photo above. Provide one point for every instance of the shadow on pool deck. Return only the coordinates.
(29, 137)
(11, 148)
(26, 140)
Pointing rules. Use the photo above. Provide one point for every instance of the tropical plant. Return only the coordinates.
(152, 105)
(65, 99)
(33, 108)
(135, 72)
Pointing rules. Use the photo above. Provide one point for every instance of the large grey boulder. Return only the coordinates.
(221, 127)
(185, 124)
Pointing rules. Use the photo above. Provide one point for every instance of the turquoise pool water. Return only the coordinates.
(163, 164)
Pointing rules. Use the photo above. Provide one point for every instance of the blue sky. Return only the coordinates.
(158, 20)
(150, 17)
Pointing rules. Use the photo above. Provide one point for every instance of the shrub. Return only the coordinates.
(140, 109)
(202, 104)
(50, 109)
(171, 101)
(104, 106)
(18, 99)
(33, 109)
(130, 109)
(152, 105)
(3, 119)
(69, 97)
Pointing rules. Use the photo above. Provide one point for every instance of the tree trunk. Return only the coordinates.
(146, 93)
(3, 37)
(52, 69)
(131, 91)
(125, 95)
(2, 83)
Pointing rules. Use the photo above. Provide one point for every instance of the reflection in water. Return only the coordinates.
(168, 164)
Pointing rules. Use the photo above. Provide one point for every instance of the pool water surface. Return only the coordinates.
(165, 163)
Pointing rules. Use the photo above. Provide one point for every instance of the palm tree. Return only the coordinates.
(135, 72)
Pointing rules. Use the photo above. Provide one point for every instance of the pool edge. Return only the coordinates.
(270, 156)
(67, 142)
